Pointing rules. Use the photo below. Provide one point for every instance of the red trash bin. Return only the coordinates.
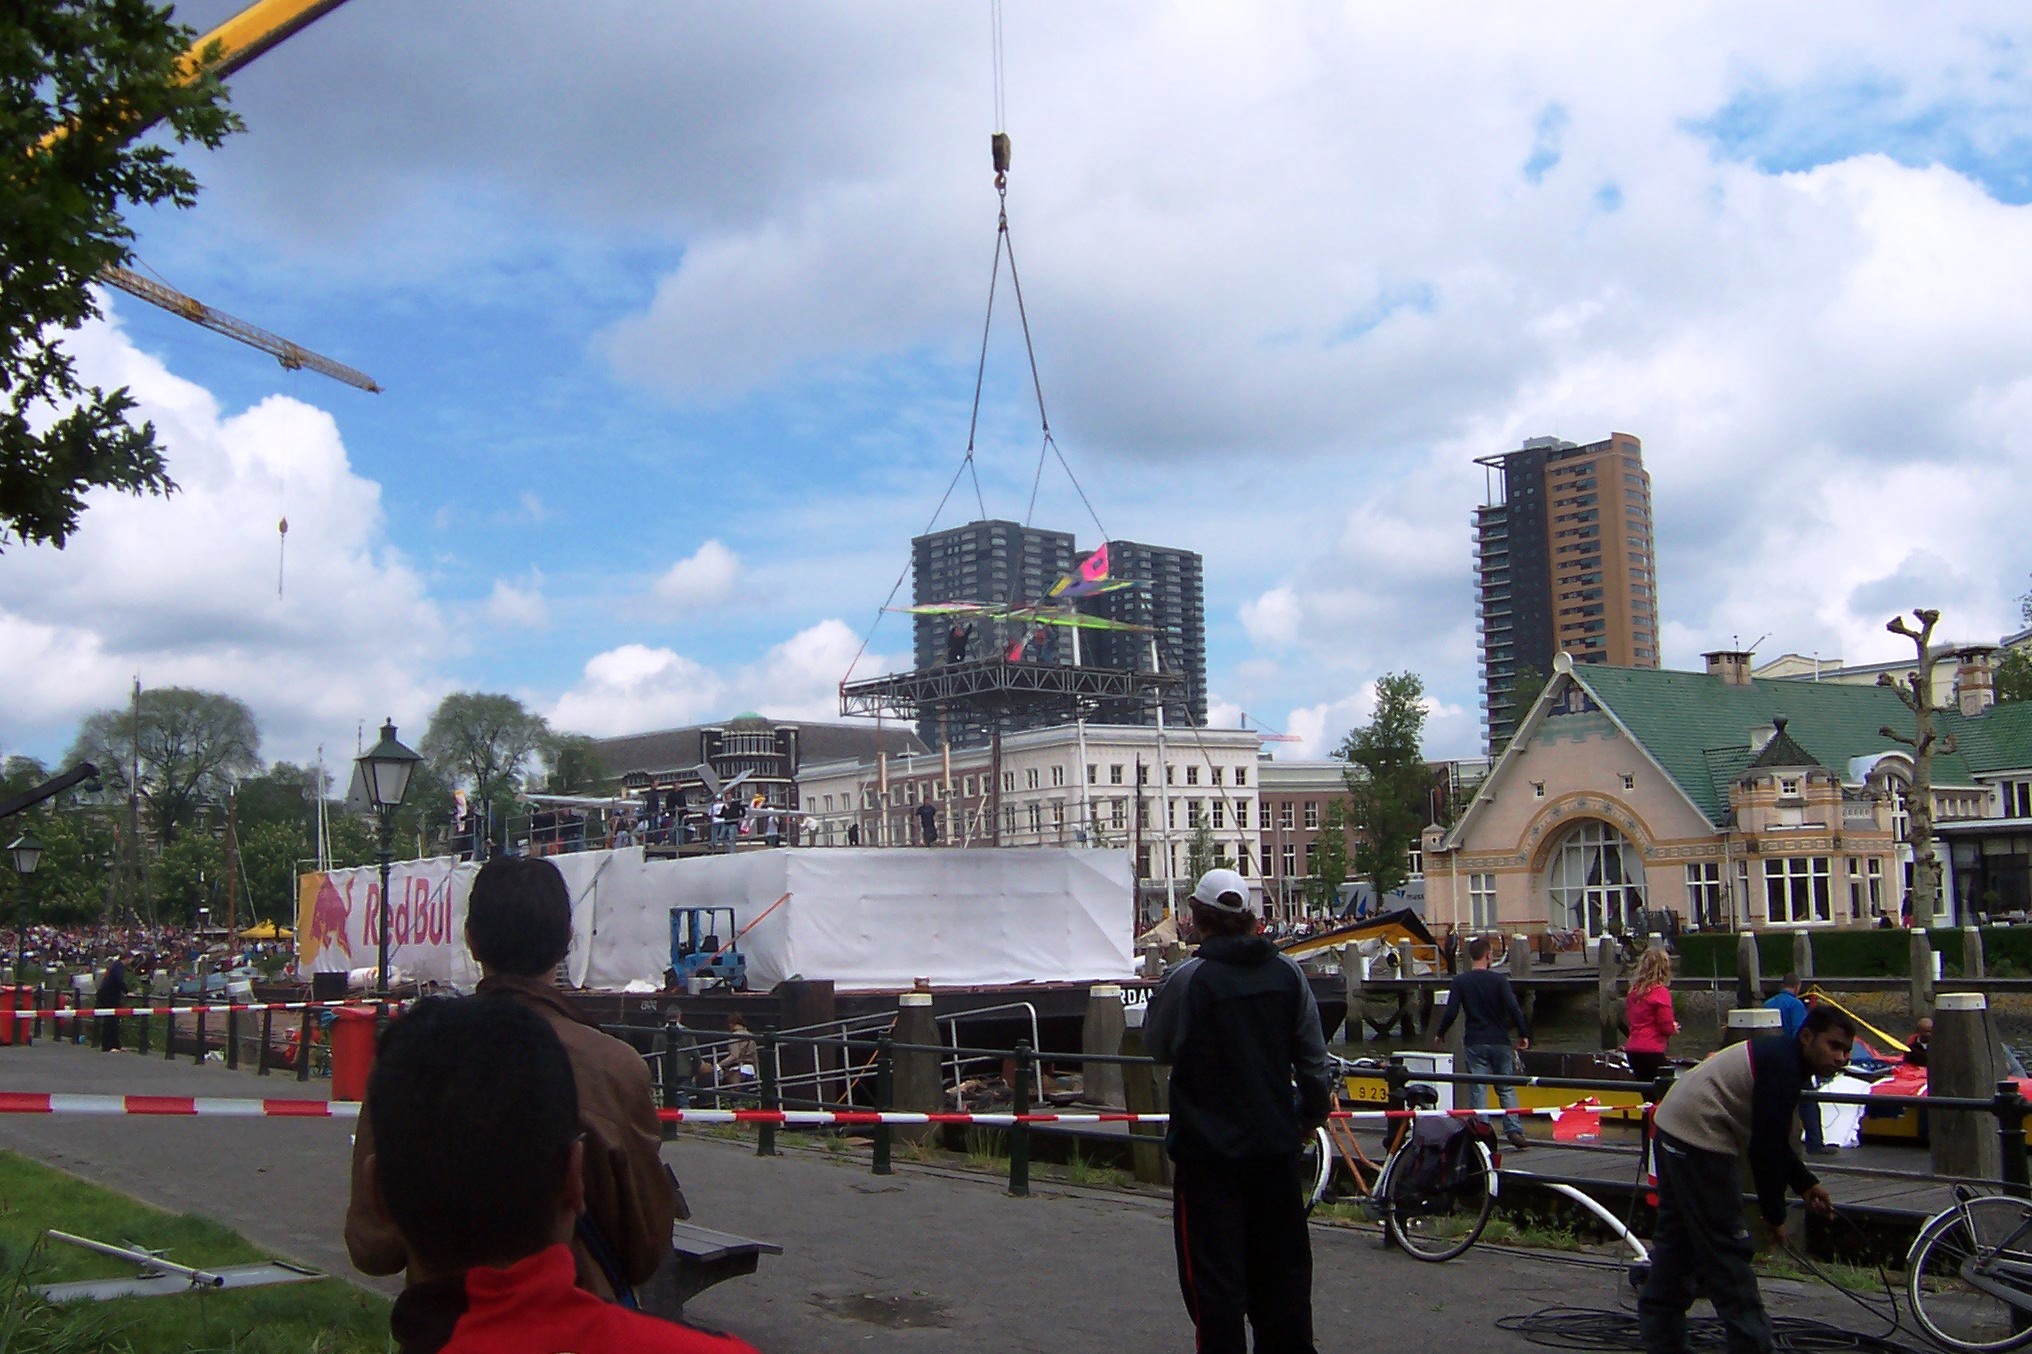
(352, 1052)
(13, 997)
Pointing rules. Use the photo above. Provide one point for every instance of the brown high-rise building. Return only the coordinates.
(1565, 563)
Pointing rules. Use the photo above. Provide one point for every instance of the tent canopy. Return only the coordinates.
(266, 930)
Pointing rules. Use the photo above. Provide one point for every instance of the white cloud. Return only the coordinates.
(634, 688)
(533, 507)
(700, 581)
(182, 590)
(1273, 619)
(517, 605)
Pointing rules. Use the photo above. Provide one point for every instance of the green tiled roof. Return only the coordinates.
(2000, 740)
(1696, 726)
(1783, 749)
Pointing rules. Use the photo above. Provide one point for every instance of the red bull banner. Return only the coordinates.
(339, 919)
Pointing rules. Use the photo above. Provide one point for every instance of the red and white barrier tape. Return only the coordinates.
(213, 1008)
(182, 1106)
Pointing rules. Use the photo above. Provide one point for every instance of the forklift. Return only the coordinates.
(697, 950)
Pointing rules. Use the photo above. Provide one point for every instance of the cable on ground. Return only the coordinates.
(1586, 1328)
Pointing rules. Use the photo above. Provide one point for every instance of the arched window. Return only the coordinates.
(1596, 879)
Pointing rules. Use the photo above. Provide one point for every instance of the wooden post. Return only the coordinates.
(1353, 1030)
(919, 1082)
(267, 1037)
(1802, 955)
(1922, 977)
(1750, 1022)
(1608, 973)
(1962, 1061)
(1972, 965)
(1749, 971)
(1101, 1032)
(1145, 1090)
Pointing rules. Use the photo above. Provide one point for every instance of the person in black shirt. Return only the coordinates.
(1249, 1080)
(1491, 1008)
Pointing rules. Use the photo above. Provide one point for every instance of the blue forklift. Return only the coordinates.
(697, 950)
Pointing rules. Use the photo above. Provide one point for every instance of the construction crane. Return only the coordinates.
(221, 52)
(292, 356)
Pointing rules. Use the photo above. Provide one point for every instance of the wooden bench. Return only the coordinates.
(700, 1257)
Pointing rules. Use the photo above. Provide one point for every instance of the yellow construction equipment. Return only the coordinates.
(230, 46)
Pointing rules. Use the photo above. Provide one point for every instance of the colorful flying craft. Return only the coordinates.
(1090, 579)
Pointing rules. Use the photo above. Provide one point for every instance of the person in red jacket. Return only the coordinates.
(1648, 1012)
(478, 1166)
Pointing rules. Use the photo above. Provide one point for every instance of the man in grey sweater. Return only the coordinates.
(1739, 1102)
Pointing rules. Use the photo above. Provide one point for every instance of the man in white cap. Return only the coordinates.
(1249, 1079)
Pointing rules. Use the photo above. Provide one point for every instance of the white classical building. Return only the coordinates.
(1105, 785)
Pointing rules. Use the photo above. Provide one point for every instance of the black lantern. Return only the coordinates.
(385, 768)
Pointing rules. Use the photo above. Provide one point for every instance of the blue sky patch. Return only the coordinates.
(1609, 197)
(1835, 118)
(1546, 141)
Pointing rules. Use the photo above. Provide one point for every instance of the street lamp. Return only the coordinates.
(385, 769)
(27, 853)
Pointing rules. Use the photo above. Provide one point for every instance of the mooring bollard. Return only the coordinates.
(1802, 955)
(1352, 1029)
(1019, 1133)
(1962, 1060)
(1748, 1022)
(1144, 1089)
(765, 1137)
(919, 1076)
(1101, 1032)
(1972, 965)
(885, 1100)
(1749, 971)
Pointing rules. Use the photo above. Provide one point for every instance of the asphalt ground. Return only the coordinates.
(928, 1258)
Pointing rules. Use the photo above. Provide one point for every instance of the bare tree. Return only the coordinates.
(1916, 694)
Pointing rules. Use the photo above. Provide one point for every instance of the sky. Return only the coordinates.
(678, 309)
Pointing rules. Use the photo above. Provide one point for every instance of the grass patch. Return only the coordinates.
(326, 1317)
(987, 1150)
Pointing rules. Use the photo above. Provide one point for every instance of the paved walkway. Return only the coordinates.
(925, 1259)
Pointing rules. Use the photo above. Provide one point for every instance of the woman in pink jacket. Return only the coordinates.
(1648, 1011)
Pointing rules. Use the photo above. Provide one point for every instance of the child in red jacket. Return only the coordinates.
(477, 1164)
(1648, 1011)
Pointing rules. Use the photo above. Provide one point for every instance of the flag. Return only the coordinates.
(1093, 569)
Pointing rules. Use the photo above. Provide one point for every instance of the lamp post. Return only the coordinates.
(27, 853)
(385, 768)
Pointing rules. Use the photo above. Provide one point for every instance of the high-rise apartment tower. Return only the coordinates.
(1565, 563)
(997, 561)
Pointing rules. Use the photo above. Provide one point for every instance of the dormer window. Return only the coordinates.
(1538, 789)
(1629, 781)
(1788, 787)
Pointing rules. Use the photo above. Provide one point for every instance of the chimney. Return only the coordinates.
(1974, 687)
(1731, 665)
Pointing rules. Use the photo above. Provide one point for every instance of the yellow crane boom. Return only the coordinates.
(290, 355)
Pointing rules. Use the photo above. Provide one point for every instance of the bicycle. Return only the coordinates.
(1969, 1273)
(1432, 1216)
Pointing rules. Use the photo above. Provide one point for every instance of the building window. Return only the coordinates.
(1414, 859)
(1242, 858)
(1284, 819)
(1036, 817)
(1142, 863)
(1170, 775)
(1115, 817)
(1030, 778)
(1704, 894)
(1290, 854)
(1241, 775)
(1171, 814)
(1629, 781)
(2017, 798)
(1901, 813)
(1482, 902)
(828, 809)
(1217, 774)
(1796, 891)
(1596, 880)
(1093, 778)
(1220, 809)
(1192, 813)
(1788, 787)
(1142, 814)
(1308, 860)
(1114, 778)
(1312, 813)
(1192, 775)
(1057, 778)
(1009, 782)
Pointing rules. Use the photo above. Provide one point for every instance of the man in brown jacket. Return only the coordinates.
(518, 926)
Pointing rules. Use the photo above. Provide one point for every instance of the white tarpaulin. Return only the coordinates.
(865, 918)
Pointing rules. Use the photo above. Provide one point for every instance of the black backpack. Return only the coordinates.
(1443, 1157)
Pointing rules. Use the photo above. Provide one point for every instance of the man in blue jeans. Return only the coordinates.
(1490, 1005)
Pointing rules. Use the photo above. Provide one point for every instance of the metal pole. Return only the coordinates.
(1019, 1134)
(267, 1034)
(885, 1099)
(2011, 1108)
(387, 860)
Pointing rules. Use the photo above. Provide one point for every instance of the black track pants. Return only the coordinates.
(1243, 1254)
(1703, 1249)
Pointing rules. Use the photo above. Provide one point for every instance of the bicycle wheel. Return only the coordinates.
(1315, 1168)
(1992, 1237)
(1439, 1222)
